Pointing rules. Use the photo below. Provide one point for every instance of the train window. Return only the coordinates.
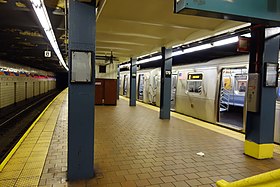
(240, 83)
(227, 85)
(194, 83)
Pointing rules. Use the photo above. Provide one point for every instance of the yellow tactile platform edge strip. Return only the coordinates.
(5, 161)
(209, 126)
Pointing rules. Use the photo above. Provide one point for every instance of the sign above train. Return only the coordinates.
(258, 12)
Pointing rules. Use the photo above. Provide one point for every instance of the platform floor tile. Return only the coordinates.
(26, 165)
(133, 147)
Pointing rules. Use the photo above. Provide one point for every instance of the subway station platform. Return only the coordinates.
(133, 147)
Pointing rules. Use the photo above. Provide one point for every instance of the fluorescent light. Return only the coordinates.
(197, 48)
(192, 49)
(226, 41)
(125, 66)
(149, 59)
(41, 13)
(177, 53)
(248, 35)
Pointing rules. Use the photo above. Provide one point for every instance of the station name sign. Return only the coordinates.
(254, 11)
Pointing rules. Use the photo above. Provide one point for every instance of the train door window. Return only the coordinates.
(173, 90)
(140, 86)
(240, 83)
(194, 83)
(125, 80)
(226, 82)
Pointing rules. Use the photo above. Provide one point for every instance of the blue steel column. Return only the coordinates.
(132, 95)
(81, 96)
(260, 125)
(165, 83)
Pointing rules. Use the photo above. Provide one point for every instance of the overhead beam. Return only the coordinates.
(265, 11)
(100, 6)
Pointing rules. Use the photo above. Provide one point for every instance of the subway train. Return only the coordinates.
(213, 91)
(18, 83)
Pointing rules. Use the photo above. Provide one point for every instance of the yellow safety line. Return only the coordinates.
(209, 126)
(11, 153)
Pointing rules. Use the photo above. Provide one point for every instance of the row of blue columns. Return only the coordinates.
(165, 88)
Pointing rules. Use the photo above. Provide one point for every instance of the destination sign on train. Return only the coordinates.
(195, 76)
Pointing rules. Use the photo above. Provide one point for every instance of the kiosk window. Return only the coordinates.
(194, 83)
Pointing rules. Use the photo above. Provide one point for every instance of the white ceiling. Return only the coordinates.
(130, 28)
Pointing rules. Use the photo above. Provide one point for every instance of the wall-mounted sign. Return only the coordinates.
(48, 54)
(271, 74)
(168, 73)
(243, 44)
(81, 67)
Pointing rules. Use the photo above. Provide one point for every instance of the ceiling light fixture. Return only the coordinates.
(197, 48)
(248, 35)
(226, 41)
(149, 59)
(41, 13)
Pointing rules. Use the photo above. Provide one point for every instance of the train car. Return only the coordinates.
(18, 83)
(213, 91)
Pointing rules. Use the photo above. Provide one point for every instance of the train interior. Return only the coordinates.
(232, 97)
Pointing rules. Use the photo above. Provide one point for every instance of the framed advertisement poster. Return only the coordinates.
(271, 74)
(81, 68)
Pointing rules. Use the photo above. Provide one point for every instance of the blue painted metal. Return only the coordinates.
(165, 88)
(81, 96)
(241, 10)
(264, 48)
(133, 71)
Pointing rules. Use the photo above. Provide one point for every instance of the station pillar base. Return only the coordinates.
(258, 151)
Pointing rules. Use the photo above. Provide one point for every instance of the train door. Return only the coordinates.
(125, 82)
(173, 91)
(141, 87)
(232, 97)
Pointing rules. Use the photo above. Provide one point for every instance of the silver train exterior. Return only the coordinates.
(201, 90)
(18, 83)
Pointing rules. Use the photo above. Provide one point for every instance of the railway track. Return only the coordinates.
(16, 119)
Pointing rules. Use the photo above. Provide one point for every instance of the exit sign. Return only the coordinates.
(254, 11)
